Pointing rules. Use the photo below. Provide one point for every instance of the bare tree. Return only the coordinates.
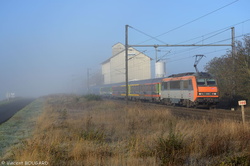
(233, 72)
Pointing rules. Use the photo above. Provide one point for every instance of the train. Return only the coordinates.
(190, 89)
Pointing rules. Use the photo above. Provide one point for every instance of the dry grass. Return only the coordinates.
(74, 131)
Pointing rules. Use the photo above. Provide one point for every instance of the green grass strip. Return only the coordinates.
(19, 127)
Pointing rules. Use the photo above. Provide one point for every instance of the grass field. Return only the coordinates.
(19, 127)
(74, 130)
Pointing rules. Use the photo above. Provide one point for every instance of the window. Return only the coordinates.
(164, 85)
(135, 89)
(211, 81)
(119, 89)
(206, 82)
(185, 84)
(149, 87)
(190, 85)
(153, 87)
(201, 81)
(175, 85)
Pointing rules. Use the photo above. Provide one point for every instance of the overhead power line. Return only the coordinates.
(246, 34)
(211, 36)
(147, 35)
(222, 29)
(219, 31)
(177, 54)
(190, 21)
(174, 60)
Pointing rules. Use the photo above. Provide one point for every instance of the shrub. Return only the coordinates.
(92, 97)
(219, 145)
(93, 135)
(169, 149)
(237, 160)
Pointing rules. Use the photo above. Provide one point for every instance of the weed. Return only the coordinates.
(132, 127)
(92, 97)
(219, 145)
(236, 160)
(93, 135)
(168, 149)
(89, 125)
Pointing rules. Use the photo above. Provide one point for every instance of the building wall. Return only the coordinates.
(117, 68)
(106, 73)
(139, 67)
(117, 48)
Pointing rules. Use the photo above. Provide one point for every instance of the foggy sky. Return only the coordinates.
(46, 46)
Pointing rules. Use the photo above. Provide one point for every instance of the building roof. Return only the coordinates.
(106, 61)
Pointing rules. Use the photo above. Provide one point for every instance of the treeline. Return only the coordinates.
(233, 73)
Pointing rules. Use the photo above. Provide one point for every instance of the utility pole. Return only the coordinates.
(156, 55)
(233, 44)
(233, 56)
(126, 60)
(88, 80)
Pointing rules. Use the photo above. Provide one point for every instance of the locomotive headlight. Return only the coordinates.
(207, 93)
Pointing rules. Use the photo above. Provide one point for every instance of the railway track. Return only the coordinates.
(212, 114)
(200, 113)
(216, 114)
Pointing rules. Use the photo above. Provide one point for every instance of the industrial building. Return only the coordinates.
(113, 69)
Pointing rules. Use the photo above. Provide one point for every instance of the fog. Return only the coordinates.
(47, 46)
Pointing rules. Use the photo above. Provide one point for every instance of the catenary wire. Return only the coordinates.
(187, 50)
(242, 22)
(209, 52)
(192, 21)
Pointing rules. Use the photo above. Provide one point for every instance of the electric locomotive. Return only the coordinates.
(190, 90)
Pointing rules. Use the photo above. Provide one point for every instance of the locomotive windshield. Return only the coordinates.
(201, 82)
(211, 81)
(206, 82)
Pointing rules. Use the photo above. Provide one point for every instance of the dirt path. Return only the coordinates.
(8, 110)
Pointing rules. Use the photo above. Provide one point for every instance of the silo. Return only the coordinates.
(160, 69)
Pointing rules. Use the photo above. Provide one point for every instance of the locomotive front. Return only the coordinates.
(207, 90)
